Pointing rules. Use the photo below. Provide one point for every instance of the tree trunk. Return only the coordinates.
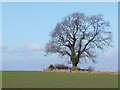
(74, 63)
(73, 57)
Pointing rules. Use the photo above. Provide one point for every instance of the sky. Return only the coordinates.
(60, 0)
(26, 30)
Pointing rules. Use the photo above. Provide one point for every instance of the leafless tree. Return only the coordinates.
(79, 36)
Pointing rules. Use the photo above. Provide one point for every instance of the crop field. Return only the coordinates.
(37, 79)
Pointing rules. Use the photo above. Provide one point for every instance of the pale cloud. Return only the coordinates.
(111, 53)
(33, 47)
(5, 49)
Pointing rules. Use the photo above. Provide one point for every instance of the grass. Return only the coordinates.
(37, 79)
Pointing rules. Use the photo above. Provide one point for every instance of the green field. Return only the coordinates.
(37, 79)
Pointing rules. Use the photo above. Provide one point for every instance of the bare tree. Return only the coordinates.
(79, 36)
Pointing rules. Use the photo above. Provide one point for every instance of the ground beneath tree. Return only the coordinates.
(78, 71)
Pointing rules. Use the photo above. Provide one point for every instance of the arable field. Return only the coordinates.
(37, 79)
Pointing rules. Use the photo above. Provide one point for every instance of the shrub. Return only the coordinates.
(61, 66)
(90, 69)
(51, 67)
(82, 69)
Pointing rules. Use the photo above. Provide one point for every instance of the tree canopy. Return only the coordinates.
(80, 36)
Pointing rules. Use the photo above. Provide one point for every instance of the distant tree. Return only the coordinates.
(79, 36)
(51, 67)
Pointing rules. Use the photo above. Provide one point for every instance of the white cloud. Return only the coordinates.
(33, 47)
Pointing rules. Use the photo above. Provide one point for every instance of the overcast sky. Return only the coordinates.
(26, 28)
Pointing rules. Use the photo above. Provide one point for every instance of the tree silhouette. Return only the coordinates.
(79, 36)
